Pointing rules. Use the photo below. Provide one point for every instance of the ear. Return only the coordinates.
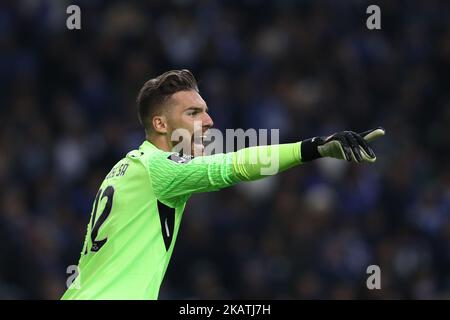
(159, 124)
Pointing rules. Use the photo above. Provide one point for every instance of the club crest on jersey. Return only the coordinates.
(179, 158)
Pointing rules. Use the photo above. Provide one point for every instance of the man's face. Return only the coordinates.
(188, 112)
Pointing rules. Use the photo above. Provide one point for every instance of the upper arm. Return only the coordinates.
(175, 176)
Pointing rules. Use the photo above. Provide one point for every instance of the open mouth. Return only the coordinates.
(198, 143)
(199, 138)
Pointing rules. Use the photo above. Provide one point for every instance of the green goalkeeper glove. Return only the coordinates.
(346, 145)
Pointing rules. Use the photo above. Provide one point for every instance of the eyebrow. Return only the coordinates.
(196, 108)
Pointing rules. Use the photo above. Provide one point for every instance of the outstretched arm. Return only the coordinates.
(173, 175)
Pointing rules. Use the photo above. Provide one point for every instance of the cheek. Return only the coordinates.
(186, 122)
(183, 122)
(174, 121)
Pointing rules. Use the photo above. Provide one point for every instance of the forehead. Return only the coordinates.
(188, 98)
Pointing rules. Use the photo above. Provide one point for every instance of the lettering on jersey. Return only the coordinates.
(178, 158)
(117, 171)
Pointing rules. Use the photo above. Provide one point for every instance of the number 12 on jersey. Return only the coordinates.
(96, 224)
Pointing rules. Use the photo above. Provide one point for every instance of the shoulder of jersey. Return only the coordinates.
(180, 158)
(135, 154)
(175, 156)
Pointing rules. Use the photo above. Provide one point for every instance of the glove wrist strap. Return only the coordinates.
(309, 149)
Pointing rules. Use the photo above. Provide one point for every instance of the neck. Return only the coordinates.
(159, 141)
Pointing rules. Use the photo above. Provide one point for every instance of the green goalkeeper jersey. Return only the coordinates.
(137, 212)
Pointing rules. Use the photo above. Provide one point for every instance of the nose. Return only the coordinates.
(207, 121)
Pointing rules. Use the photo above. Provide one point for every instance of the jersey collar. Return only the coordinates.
(147, 145)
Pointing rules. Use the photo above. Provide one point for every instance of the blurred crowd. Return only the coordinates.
(68, 114)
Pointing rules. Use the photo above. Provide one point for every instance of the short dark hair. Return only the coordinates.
(157, 91)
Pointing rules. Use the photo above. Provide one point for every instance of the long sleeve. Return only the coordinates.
(174, 176)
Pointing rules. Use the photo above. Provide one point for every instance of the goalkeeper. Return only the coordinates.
(137, 211)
